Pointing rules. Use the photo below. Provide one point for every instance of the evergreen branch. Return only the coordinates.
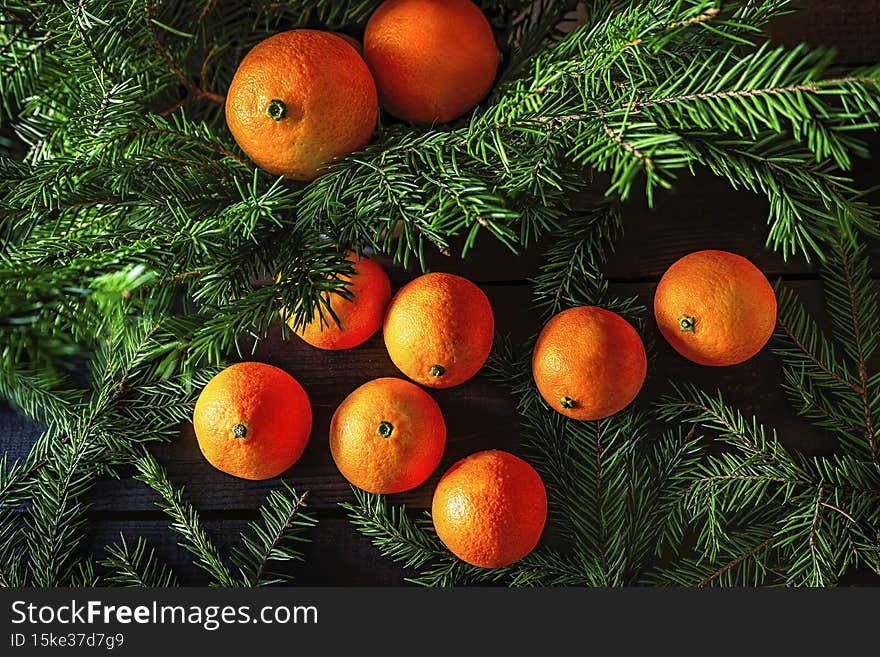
(817, 507)
(85, 576)
(667, 110)
(15, 479)
(54, 526)
(136, 567)
(177, 134)
(812, 358)
(197, 92)
(81, 449)
(545, 567)
(810, 87)
(41, 395)
(695, 406)
(737, 561)
(759, 483)
(532, 26)
(276, 537)
(184, 520)
(414, 545)
(599, 505)
(80, 16)
(571, 271)
(832, 384)
(864, 327)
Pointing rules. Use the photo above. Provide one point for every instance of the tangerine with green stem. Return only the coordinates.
(439, 329)
(589, 363)
(299, 100)
(252, 420)
(715, 308)
(387, 436)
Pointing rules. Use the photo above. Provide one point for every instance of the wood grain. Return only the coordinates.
(850, 26)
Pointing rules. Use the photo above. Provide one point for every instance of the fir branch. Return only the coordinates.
(545, 567)
(746, 559)
(80, 449)
(184, 520)
(658, 111)
(571, 271)
(758, 483)
(736, 562)
(814, 338)
(54, 526)
(530, 27)
(859, 327)
(15, 479)
(830, 380)
(197, 92)
(276, 537)
(137, 567)
(85, 575)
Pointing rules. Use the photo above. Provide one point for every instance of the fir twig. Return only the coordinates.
(136, 567)
(197, 92)
(185, 521)
(276, 537)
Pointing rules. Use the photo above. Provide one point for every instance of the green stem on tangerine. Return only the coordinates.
(385, 429)
(239, 431)
(437, 370)
(687, 323)
(566, 402)
(276, 110)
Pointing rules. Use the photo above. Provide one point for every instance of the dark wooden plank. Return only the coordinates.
(17, 432)
(701, 211)
(478, 414)
(850, 27)
(336, 556)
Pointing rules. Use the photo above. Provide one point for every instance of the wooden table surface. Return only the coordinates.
(701, 212)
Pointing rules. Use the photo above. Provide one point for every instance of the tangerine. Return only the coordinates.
(439, 329)
(433, 60)
(715, 308)
(588, 363)
(299, 100)
(387, 436)
(252, 420)
(489, 509)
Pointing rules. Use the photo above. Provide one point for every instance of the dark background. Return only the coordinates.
(699, 213)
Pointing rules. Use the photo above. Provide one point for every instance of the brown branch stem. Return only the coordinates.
(718, 573)
(299, 504)
(806, 352)
(870, 430)
(197, 92)
(625, 145)
(840, 511)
